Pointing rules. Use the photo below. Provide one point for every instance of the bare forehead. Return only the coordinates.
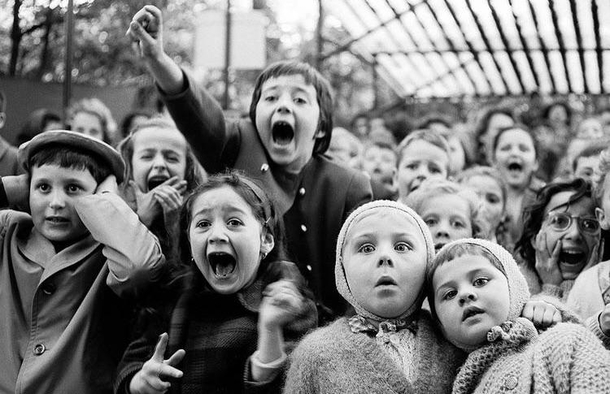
(159, 134)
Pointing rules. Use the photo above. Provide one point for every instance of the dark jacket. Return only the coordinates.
(314, 203)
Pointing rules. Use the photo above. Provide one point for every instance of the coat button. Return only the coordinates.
(510, 383)
(39, 349)
(48, 288)
(308, 268)
(265, 167)
(302, 191)
(303, 228)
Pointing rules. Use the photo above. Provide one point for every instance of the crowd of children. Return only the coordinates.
(274, 253)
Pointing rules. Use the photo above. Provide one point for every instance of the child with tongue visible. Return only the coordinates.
(229, 317)
(561, 237)
(282, 144)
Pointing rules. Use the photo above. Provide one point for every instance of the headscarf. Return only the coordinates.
(354, 218)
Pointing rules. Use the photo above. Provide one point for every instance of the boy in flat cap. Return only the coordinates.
(64, 265)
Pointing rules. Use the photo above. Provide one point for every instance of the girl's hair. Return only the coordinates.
(487, 171)
(483, 123)
(263, 210)
(192, 175)
(127, 122)
(547, 110)
(437, 187)
(451, 253)
(71, 157)
(311, 76)
(515, 127)
(97, 108)
(602, 170)
(433, 137)
(533, 215)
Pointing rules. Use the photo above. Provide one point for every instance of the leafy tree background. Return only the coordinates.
(33, 37)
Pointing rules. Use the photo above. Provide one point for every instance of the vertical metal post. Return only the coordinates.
(67, 87)
(319, 38)
(226, 99)
(375, 76)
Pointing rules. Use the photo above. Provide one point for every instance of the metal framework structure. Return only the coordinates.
(449, 48)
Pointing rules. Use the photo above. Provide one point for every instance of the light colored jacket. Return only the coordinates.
(62, 328)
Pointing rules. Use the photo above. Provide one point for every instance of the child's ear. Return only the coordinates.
(267, 242)
(2, 119)
(601, 218)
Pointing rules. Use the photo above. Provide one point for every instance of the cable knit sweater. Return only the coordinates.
(333, 359)
(564, 359)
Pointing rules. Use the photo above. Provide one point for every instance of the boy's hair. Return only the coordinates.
(379, 144)
(487, 171)
(516, 126)
(437, 187)
(192, 175)
(547, 110)
(533, 215)
(430, 120)
(70, 157)
(262, 208)
(602, 170)
(311, 76)
(433, 137)
(354, 143)
(97, 108)
(452, 252)
(595, 148)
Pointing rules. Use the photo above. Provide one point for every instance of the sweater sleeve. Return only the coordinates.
(201, 121)
(133, 253)
(593, 325)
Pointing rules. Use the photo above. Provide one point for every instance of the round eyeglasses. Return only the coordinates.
(561, 221)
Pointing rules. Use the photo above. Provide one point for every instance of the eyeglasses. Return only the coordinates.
(561, 221)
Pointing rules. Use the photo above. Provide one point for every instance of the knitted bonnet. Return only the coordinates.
(518, 290)
(354, 218)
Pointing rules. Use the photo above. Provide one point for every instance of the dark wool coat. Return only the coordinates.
(314, 203)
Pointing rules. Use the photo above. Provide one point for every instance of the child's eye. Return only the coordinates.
(448, 295)
(430, 222)
(74, 188)
(202, 224)
(44, 187)
(412, 166)
(300, 100)
(458, 224)
(435, 170)
(366, 248)
(493, 199)
(270, 98)
(146, 157)
(234, 222)
(478, 282)
(403, 247)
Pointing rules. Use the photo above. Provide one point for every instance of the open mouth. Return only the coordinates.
(572, 257)
(282, 133)
(57, 220)
(223, 264)
(156, 181)
(471, 311)
(438, 246)
(515, 167)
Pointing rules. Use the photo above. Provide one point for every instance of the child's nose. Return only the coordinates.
(217, 234)
(467, 295)
(284, 104)
(57, 200)
(159, 161)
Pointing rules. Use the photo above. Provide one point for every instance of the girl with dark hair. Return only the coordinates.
(561, 237)
(236, 308)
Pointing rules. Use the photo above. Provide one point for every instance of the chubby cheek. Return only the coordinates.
(140, 173)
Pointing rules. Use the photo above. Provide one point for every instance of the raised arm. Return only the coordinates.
(196, 113)
(134, 255)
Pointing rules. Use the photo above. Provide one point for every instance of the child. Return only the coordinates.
(585, 162)
(64, 266)
(489, 185)
(92, 117)
(449, 210)
(281, 145)
(423, 154)
(379, 163)
(486, 130)
(160, 169)
(390, 345)
(242, 299)
(514, 156)
(477, 293)
(345, 148)
(590, 296)
(561, 237)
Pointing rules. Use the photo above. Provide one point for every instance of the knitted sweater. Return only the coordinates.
(333, 360)
(564, 359)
